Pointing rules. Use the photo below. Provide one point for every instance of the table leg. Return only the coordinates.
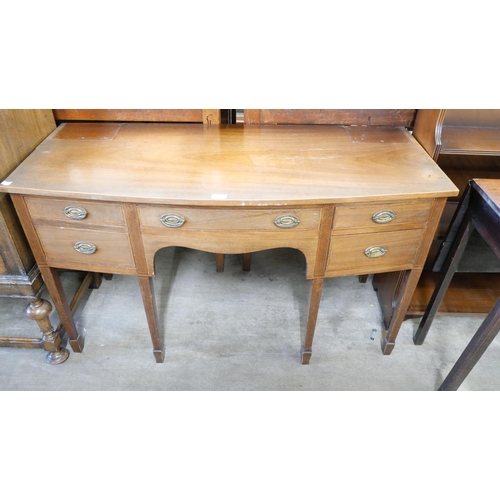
(450, 265)
(408, 286)
(247, 261)
(219, 262)
(148, 297)
(56, 292)
(96, 281)
(314, 300)
(39, 311)
(475, 349)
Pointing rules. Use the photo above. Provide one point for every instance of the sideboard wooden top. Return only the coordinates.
(229, 165)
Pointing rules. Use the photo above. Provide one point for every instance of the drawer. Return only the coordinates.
(75, 212)
(208, 219)
(372, 252)
(112, 249)
(381, 217)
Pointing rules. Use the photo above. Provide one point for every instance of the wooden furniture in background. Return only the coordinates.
(353, 200)
(466, 145)
(205, 116)
(21, 130)
(479, 210)
(356, 117)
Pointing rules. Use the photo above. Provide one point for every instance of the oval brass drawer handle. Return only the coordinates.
(375, 251)
(76, 213)
(172, 220)
(286, 221)
(384, 216)
(85, 248)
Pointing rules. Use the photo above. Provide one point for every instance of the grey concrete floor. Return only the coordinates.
(239, 331)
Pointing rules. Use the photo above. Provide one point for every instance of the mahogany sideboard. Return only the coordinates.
(106, 197)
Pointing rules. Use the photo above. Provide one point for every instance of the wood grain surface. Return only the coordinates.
(257, 165)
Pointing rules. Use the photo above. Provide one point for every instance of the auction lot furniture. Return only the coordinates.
(480, 210)
(106, 197)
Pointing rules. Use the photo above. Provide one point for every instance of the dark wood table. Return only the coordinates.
(479, 209)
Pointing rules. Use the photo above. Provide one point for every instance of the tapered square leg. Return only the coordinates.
(408, 286)
(148, 298)
(314, 300)
(54, 286)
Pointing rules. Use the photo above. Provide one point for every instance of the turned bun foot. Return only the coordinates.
(39, 311)
(58, 357)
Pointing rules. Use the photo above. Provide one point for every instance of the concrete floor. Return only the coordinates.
(239, 331)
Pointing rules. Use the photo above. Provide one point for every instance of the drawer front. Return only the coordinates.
(74, 212)
(111, 249)
(208, 219)
(372, 252)
(381, 217)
